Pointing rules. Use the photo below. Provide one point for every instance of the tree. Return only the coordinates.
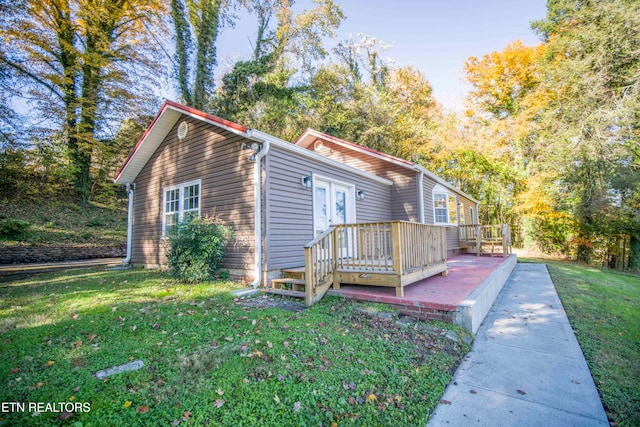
(196, 24)
(361, 97)
(79, 62)
(261, 91)
(593, 64)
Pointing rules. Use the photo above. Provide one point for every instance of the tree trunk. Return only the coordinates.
(634, 253)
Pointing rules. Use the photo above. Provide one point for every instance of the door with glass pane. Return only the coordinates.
(333, 205)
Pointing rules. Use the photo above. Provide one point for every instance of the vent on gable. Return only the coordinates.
(183, 129)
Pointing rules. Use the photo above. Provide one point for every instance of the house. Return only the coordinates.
(278, 196)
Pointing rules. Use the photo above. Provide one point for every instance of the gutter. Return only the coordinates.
(421, 196)
(129, 187)
(257, 194)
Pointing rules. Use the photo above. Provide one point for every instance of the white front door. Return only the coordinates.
(333, 204)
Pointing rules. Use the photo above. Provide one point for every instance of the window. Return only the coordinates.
(440, 206)
(445, 207)
(181, 203)
(471, 217)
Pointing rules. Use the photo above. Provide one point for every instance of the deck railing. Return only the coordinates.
(396, 248)
(492, 236)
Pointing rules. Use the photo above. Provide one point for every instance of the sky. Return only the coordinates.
(435, 36)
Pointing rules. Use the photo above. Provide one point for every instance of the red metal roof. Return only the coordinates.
(353, 146)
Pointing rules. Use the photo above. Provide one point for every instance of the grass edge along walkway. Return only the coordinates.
(603, 307)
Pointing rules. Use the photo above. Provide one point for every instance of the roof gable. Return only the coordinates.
(167, 117)
(309, 136)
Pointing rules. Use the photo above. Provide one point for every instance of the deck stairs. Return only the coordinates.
(291, 284)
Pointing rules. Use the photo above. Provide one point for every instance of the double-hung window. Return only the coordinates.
(445, 207)
(181, 203)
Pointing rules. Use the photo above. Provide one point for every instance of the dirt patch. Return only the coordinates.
(264, 301)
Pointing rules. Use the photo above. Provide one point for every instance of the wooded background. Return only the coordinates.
(548, 139)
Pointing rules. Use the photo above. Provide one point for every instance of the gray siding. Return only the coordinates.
(212, 155)
(288, 205)
(404, 196)
(452, 231)
(404, 193)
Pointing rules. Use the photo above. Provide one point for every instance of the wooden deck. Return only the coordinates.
(382, 254)
(390, 254)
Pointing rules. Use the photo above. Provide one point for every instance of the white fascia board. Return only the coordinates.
(262, 136)
(211, 122)
(145, 149)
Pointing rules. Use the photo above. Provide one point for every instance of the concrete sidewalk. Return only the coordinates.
(526, 367)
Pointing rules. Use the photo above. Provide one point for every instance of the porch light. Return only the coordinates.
(306, 182)
(360, 194)
(253, 146)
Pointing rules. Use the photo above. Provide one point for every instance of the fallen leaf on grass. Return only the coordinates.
(142, 409)
(371, 398)
(75, 316)
(49, 363)
(218, 403)
(15, 370)
(220, 392)
(127, 403)
(65, 416)
(276, 399)
(297, 406)
(77, 344)
(186, 415)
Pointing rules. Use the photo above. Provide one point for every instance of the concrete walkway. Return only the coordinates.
(526, 367)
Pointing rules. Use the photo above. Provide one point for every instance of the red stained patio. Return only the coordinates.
(463, 297)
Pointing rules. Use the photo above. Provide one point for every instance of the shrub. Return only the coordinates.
(196, 248)
(13, 228)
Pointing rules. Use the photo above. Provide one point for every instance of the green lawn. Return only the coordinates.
(604, 309)
(209, 359)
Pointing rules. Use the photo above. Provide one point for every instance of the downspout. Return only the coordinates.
(129, 188)
(257, 194)
(421, 196)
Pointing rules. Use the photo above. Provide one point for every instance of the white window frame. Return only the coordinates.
(181, 202)
(471, 215)
(451, 205)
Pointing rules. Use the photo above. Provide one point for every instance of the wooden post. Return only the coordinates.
(335, 254)
(396, 238)
(478, 240)
(505, 237)
(309, 276)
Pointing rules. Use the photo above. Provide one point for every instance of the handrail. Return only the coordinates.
(493, 234)
(319, 265)
(320, 237)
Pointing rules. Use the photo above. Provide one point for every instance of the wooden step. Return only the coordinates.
(285, 292)
(294, 273)
(296, 284)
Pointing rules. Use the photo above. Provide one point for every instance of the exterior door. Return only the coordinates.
(332, 205)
